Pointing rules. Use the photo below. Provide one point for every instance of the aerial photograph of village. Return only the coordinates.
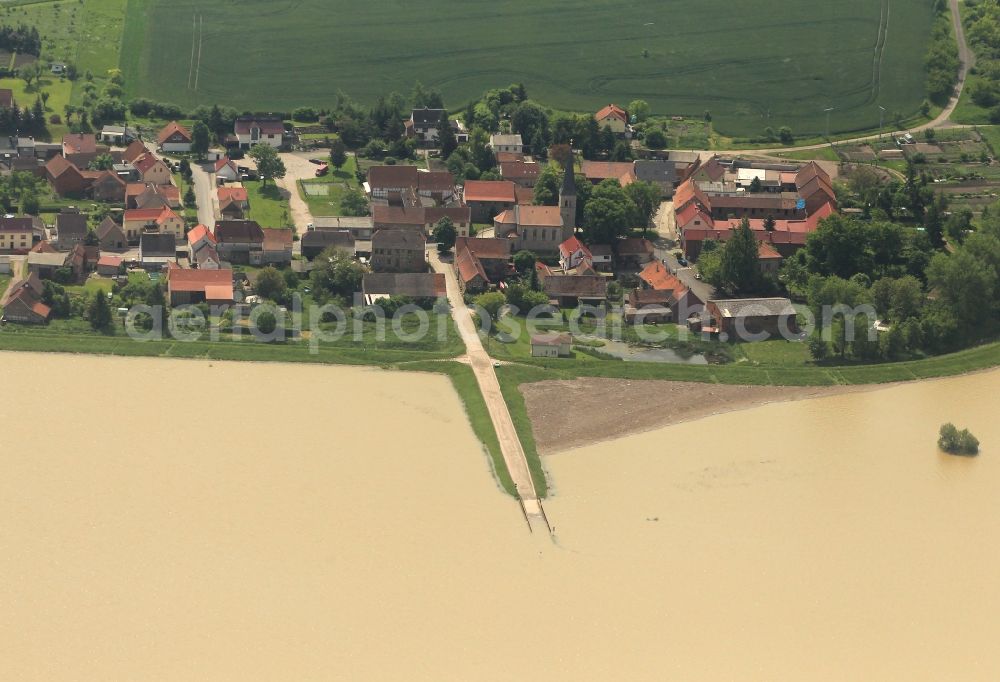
(565, 341)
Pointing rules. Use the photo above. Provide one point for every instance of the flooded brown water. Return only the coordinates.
(180, 520)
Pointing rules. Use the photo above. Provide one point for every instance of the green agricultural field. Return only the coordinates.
(753, 64)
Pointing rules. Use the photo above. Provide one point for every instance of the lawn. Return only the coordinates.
(336, 183)
(748, 64)
(267, 204)
(59, 96)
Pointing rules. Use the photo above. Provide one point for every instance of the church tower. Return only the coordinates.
(567, 199)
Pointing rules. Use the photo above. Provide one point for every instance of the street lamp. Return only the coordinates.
(881, 118)
(828, 110)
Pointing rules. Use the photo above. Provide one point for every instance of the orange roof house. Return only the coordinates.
(197, 286)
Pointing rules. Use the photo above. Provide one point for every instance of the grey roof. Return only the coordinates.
(343, 222)
(569, 179)
(239, 232)
(399, 239)
(753, 307)
(505, 140)
(325, 238)
(581, 286)
(426, 116)
(71, 225)
(414, 284)
(656, 171)
(46, 258)
(151, 244)
(106, 226)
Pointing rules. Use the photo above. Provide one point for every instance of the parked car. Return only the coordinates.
(318, 162)
(322, 170)
(682, 260)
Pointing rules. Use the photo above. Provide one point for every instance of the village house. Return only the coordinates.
(136, 149)
(398, 251)
(106, 186)
(662, 297)
(584, 287)
(71, 229)
(386, 180)
(414, 285)
(153, 170)
(573, 253)
(276, 248)
(45, 264)
(81, 149)
(23, 301)
(481, 263)
(616, 118)
(110, 236)
(214, 287)
(251, 130)
(598, 171)
(202, 252)
(360, 227)
(315, 242)
(746, 318)
(156, 220)
(65, 178)
(661, 172)
(551, 345)
(108, 265)
(147, 195)
(234, 202)
(634, 252)
(240, 241)
(118, 136)
(521, 173)
(226, 170)
(157, 251)
(769, 259)
(601, 257)
(174, 138)
(506, 143)
(423, 126)
(709, 205)
(418, 217)
(394, 183)
(17, 235)
(488, 198)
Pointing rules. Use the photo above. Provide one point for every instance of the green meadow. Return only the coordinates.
(753, 64)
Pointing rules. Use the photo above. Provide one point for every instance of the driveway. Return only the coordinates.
(298, 167)
(203, 181)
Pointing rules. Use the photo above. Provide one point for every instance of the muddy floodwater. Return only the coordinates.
(187, 520)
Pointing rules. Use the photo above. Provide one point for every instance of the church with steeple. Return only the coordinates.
(541, 228)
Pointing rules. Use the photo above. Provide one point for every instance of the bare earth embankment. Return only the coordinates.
(568, 414)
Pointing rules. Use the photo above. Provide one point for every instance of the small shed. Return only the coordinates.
(551, 345)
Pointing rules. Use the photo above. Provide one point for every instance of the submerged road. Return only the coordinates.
(482, 366)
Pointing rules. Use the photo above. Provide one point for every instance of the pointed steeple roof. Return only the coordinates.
(569, 179)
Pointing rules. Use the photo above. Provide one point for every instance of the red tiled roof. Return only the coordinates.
(134, 151)
(435, 181)
(199, 232)
(277, 239)
(484, 247)
(79, 143)
(510, 170)
(198, 280)
(571, 246)
(144, 163)
(622, 171)
(658, 277)
(109, 261)
(233, 194)
(390, 177)
(767, 252)
(611, 111)
(533, 216)
(170, 129)
(500, 191)
(223, 162)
